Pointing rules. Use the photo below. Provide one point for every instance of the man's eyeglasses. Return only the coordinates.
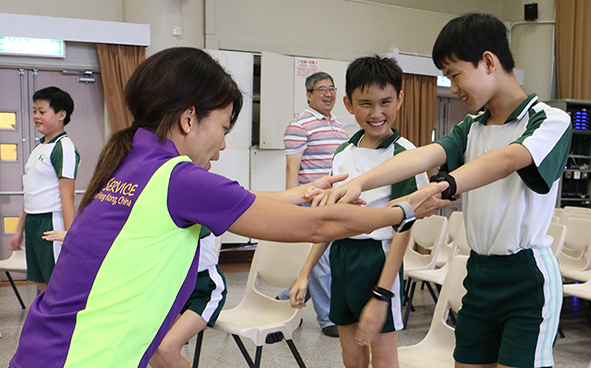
(323, 90)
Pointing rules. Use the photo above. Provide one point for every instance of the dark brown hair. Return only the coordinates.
(163, 87)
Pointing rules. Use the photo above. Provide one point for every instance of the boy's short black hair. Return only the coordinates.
(58, 100)
(468, 36)
(373, 70)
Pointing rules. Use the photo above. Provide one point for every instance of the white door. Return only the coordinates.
(18, 135)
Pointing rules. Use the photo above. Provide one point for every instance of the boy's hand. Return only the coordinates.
(316, 189)
(54, 235)
(16, 241)
(346, 193)
(371, 321)
(297, 294)
(426, 200)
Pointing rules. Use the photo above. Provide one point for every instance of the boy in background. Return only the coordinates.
(373, 96)
(506, 161)
(50, 179)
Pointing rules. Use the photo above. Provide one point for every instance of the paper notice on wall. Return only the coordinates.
(306, 67)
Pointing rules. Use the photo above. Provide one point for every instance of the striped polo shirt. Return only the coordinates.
(318, 138)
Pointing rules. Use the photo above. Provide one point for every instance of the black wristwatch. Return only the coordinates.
(409, 217)
(450, 192)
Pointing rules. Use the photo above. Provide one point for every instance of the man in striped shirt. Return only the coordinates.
(310, 142)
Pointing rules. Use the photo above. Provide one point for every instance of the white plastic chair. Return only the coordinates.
(456, 238)
(16, 263)
(558, 233)
(571, 209)
(436, 349)
(429, 233)
(454, 225)
(575, 255)
(258, 317)
(582, 291)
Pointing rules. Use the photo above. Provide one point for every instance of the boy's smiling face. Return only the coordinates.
(48, 122)
(469, 83)
(375, 110)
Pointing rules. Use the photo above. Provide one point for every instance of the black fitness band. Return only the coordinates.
(450, 192)
(382, 294)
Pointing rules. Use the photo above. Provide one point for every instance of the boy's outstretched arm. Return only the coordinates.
(491, 166)
(373, 316)
(297, 294)
(402, 166)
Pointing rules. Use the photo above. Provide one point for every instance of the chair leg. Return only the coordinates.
(295, 353)
(245, 354)
(198, 344)
(412, 285)
(431, 291)
(20, 300)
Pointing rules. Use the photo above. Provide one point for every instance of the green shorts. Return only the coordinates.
(511, 310)
(209, 296)
(41, 254)
(356, 266)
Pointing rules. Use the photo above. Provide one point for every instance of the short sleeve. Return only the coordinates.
(547, 137)
(295, 139)
(455, 143)
(65, 159)
(196, 196)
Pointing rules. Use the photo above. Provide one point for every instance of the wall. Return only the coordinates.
(532, 45)
(163, 15)
(84, 9)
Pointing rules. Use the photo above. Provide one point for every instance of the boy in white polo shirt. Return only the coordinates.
(373, 96)
(50, 177)
(507, 162)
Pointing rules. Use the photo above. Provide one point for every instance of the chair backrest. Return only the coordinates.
(558, 234)
(454, 226)
(429, 232)
(16, 263)
(578, 234)
(450, 296)
(584, 210)
(576, 214)
(278, 264)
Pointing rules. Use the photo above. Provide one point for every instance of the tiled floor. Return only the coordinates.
(317, 350)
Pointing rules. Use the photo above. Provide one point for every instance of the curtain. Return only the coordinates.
(573, 48)
(417, 115)
(118, 62)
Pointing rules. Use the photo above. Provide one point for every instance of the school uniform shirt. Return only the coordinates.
(354, 160)
(129, 261)
(513, 213)
(317, 137)
(48, 163)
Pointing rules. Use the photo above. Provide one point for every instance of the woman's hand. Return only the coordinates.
(346, 193)
(54, 235)
(426, 200)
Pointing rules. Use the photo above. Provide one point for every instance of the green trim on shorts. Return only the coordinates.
(201, 297)
(39, 252)
(501, 318)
